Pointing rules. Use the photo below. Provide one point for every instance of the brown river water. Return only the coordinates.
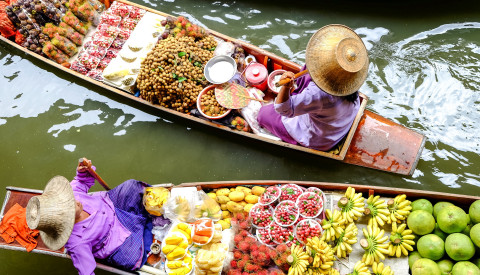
(424, 74)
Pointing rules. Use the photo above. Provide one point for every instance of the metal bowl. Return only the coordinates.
(215, 60)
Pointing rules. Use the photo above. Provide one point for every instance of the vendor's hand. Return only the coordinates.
(82, 168)
(289, 75)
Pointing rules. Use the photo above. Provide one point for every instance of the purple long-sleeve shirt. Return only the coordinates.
(314, 118)
(98, 235)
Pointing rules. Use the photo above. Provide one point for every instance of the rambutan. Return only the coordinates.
(254, 253)
(237, 254)
(282, 248)
(254, 246)
(263, 258)
(243, 233)
(251, 267)
(263, 248)
(273, 254)
(241, 264)
(233, 264)
(246, 257)
(244, 246)
(234, 272)
(244, 224)
(262, 272)
(238, 238)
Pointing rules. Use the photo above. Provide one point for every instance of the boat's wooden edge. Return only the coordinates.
(328, 186)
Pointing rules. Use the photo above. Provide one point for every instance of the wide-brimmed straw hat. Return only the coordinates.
(337, 60)
(53, 213)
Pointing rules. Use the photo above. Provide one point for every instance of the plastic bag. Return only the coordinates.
(53, 53)
(75, 23)
(64, 44)
(224, 48)
(206, 207)
(203, 231)
(154, 198)
(178, 208)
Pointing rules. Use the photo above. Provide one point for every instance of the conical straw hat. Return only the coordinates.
(53, 213)
(337, 60)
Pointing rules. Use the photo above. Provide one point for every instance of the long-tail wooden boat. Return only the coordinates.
(21, 196)
(373, 141)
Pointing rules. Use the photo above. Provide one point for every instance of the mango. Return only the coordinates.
(222, 199)
(248, 207)
(212, 195)
(223, 207)
(258, 190)
(242, 203)
(223, 192)
(236, 196)
(225, 214)
(234, 207)
(253, 199)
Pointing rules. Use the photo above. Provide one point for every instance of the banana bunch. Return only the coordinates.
(377, 210)
(298, 260)
(374, 244)
(333, 225)
(318, 271)
(399, 209)
(352, 205)
(381, 269)
(401, 240)
(343, 244)
(322, 254)
(360, 269)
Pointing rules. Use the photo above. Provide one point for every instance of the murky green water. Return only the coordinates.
(424, 74)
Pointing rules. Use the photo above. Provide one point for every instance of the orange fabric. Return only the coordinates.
(14, 227)
(6, 26)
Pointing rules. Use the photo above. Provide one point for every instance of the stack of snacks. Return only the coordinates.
(53, 53)
(64, 44)
(76, 23)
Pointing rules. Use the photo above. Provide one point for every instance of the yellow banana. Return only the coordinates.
(343, 244)
(381, 269)
(360, 269)
(401, 240)
(377, 210)
(333, 225)
(374, 243)
(399, 209)
(352, 205)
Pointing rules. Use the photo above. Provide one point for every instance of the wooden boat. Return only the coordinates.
(373, 141)
(22, 195)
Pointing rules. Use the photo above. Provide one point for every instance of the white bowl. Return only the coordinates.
(217, 73)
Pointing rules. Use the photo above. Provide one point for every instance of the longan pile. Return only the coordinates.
(210, 105)
(172, 73)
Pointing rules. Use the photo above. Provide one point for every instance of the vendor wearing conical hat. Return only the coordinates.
(319, 112)
(112, 226)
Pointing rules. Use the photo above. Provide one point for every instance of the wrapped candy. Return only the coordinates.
(108, 30)
(96, 74)
(88, 61)
(101, 40)
(124, 34)
(88, 13)
(104, 63)
(64, 44)
(118, 43)
(96, 51)
(75, 23)
(110, 19)
(136, 13)
(97, 5)
(112, 53)
(53, 53)
(128, 23)
(76, 66)
(120, 9)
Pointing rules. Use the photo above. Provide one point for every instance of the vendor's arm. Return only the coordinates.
(309, 100)
(83, 180)
(284, 93)
(83, 259)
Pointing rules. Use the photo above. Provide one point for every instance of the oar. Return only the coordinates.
(286, 80)
(252, 98)
(83, 161)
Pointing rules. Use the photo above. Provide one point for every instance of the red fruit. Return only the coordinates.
(254, 253)
(282, 248)
(263, 248)
(246, 257)
(272, 254)
(233, 264)
(244, 224)
(243, 233)
(237, 254)
(237, 239)
(244, 246)
(241, 264)
(251, 267)
(234, 272)
(254, 246)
